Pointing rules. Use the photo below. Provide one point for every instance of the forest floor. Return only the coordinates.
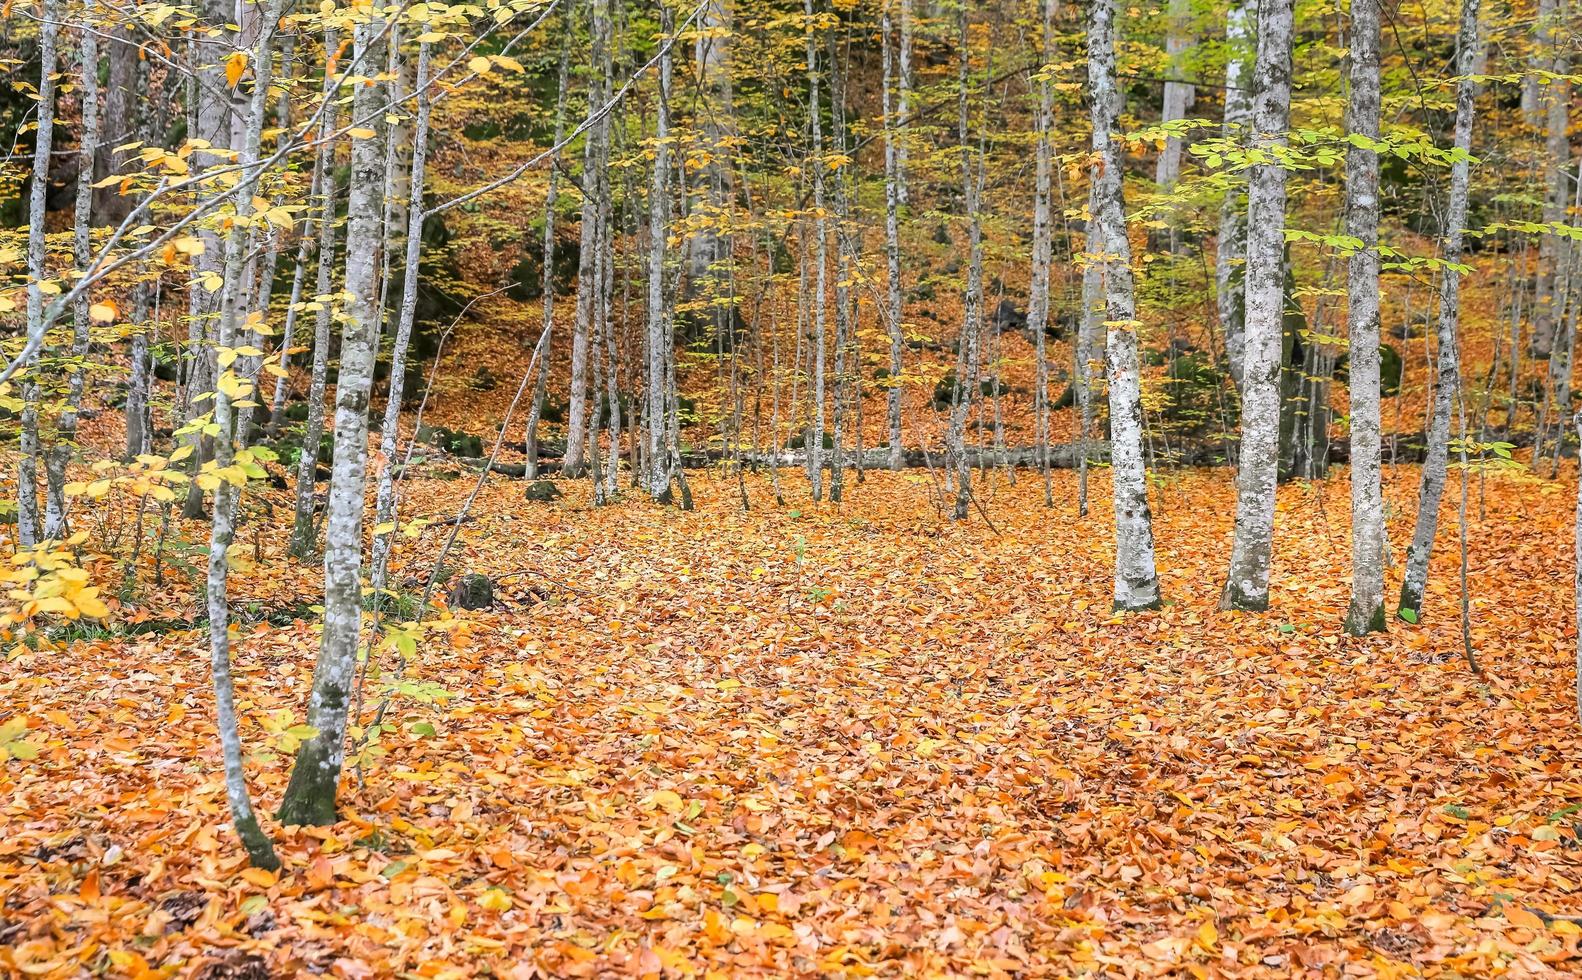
(838, 740)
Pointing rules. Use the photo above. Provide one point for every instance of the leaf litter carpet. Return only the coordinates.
(841, 740)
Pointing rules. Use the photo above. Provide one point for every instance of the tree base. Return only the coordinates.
(1361, 621)
(310, 795)
(1235, 598)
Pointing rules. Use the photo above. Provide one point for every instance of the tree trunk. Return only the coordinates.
(1090, 330)
(1448, 382)
(38, 269)
(595, 156)
(547, 276)
(1557, 159)
(1178, 95)
(1366, 613)
(660, 402)
(892, 240)
(1231, 247)
(82, 246)
(1257, 473)
(310, 796)
(302, 530)
(1136, 582)
(845, 261)
(1541, 59)
(390, 430)
(1038, 283)
(968, 359)
(123, 121)
(213, 119)
(231, 387)
(814, 439)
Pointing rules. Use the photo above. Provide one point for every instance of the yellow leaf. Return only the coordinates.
(103, 312)
(1207, 935)
(480, 64)
(234, 66)
(666, 800)
(360, 133)
(495, 900)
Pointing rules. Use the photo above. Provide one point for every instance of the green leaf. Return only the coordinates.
(1410, 615)
(424, 729)
(22, 750)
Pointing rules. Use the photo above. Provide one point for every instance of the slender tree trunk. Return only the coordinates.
(660, 376)
(968, 360)
(38, 269)
(845, 328)
(595, 155)
(892, 239)
(547, 277)
(814, 441)
(122, 121)
(231, 387)
(1231, 246)
(66, 427)
(1136, 582)
(1178, 95)
(1541, 59)
(709, 248)
(213, 118)
(1448, 386)
(302, 529)
(318, 185)
(903, 103)
(1557, 158)
(310, 795)
(612, 387)
(389, 432)
(1088, 348)
(1366, 613)
(1248, 584)
(1038, 286)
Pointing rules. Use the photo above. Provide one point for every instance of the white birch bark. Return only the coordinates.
(535, 410)
(892, 242)
(659, 374)
(903, 102)
(1178, 95)
(814, 441)
(385, 508)
(1087, 350)
(223, 519)
(844, 264)
(1447, 386)
(1248, 584)
(1541, 58)
(594, 158)
(1366, 613)
(1547, 301)
(1231, 246)
(310, 796)
(1038, 283)
(968, 354)
(1136, 582)
(303, 534)
(38, 269)
(213, 118)
(82, 247)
